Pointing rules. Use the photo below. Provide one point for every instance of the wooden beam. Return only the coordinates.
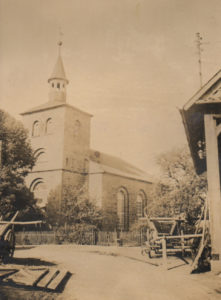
(20, 223)
(185, 236)
(213, 178)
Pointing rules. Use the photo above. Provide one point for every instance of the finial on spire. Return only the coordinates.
(60, 43)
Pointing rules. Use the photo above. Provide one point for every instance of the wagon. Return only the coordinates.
(168, 233)
(165, 237)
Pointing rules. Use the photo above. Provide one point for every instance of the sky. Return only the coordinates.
(130, 63)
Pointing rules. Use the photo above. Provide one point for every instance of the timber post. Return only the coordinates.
(164, 251)
(213, 179)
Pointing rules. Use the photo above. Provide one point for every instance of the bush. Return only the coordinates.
(82, 234)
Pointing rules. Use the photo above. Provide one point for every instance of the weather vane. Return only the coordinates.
(60, 40)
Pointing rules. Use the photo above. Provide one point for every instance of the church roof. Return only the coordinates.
(58, 72)
(105, 163)
(51, 105)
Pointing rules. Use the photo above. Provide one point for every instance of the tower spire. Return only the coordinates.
(58, 80)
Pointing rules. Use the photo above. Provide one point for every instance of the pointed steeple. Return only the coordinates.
(58, 80)
(58, 72)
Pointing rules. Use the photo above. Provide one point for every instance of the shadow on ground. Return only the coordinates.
(30, 262)
(14, 293)
(11, 290)
(17, 248)
(24, 287)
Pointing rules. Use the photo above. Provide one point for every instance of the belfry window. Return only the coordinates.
(36, 128)
(48, 128)
(58, 85)
(53, 84)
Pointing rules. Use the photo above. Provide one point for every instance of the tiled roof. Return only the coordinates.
(49, 105)
(105, 163)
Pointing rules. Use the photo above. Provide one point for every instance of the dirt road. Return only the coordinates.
(112, 273)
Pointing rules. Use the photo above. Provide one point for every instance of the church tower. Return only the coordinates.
(60, 138)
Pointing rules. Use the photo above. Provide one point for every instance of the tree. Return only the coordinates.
(180, 189)
(16, 161)
(74, 217)
(71, 206)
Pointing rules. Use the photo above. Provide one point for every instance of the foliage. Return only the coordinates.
(17, 161)
(71, 206)
(79, 233)
(179, 190)
(110, 220)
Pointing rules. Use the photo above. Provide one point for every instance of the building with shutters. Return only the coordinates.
(60, 137)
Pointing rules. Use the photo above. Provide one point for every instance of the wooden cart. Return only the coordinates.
(165, 237)
(167, 231)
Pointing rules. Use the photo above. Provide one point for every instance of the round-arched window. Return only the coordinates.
(122, 209)
(39, 188)
(48, 128)
(36, 128)
(141, 202)
(40, 155)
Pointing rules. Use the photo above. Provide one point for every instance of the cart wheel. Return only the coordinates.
(151, 253)
(145, 251)
(10, 238)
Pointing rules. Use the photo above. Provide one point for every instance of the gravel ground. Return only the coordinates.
(114, 273)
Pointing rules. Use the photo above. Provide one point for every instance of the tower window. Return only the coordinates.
(48, 127)
(40, 155)
(36, 128)
(58, 85)
(52, 84)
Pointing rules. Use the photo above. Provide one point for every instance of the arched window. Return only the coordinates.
(123, 209)
(40, 155)
(48, 128)
(141, 202)
(39, 188)
(35, 182)
(36, 128)
(58, 85)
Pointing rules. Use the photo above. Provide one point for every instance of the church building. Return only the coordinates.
(60, 137)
